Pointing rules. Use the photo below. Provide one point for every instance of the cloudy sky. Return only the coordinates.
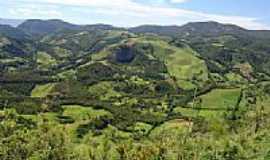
(251, 14)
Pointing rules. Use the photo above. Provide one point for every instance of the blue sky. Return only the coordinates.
(250, 14)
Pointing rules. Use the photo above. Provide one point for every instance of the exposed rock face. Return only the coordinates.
(125, 54)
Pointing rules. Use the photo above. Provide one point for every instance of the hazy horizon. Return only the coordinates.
(17, 22)
(129, 13)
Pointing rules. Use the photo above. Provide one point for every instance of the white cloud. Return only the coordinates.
(150, 13)
(178, 1)
(35, 11)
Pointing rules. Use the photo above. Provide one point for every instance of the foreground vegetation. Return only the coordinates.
(82, 132)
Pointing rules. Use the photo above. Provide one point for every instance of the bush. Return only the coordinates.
(94, 125)
(65, 120)
(95, 72)
(164, 87)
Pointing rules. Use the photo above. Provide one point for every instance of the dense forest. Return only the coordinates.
(200, 91)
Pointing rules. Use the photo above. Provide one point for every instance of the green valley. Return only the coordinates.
(97, 92)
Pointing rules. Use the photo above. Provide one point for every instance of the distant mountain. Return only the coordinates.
(195, 28)
(201, 29)
(11, 22)
(100, 27)
(13, 33)
(211, 29)
(38, 27)
(160, 30)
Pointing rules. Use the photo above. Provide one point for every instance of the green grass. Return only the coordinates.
(171, 128)
(45, 60)
(234, 77)
(266, 103)
(214, 104)
(116, 133)
(69, 74)
(81, 113)
(142, 128)
(101, 145)
(139, 81)
(186, 84)
(220, 98)
(101, 55)
(104, 90)
(187, 112)
(182, 63)
(90, 143)
(48, 117)
(12, 60)
(61, 52)
(212, 115)
(2, 113)
(42, 90)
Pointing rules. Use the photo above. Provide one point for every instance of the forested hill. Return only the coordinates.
(197, 91)
(200, 29)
